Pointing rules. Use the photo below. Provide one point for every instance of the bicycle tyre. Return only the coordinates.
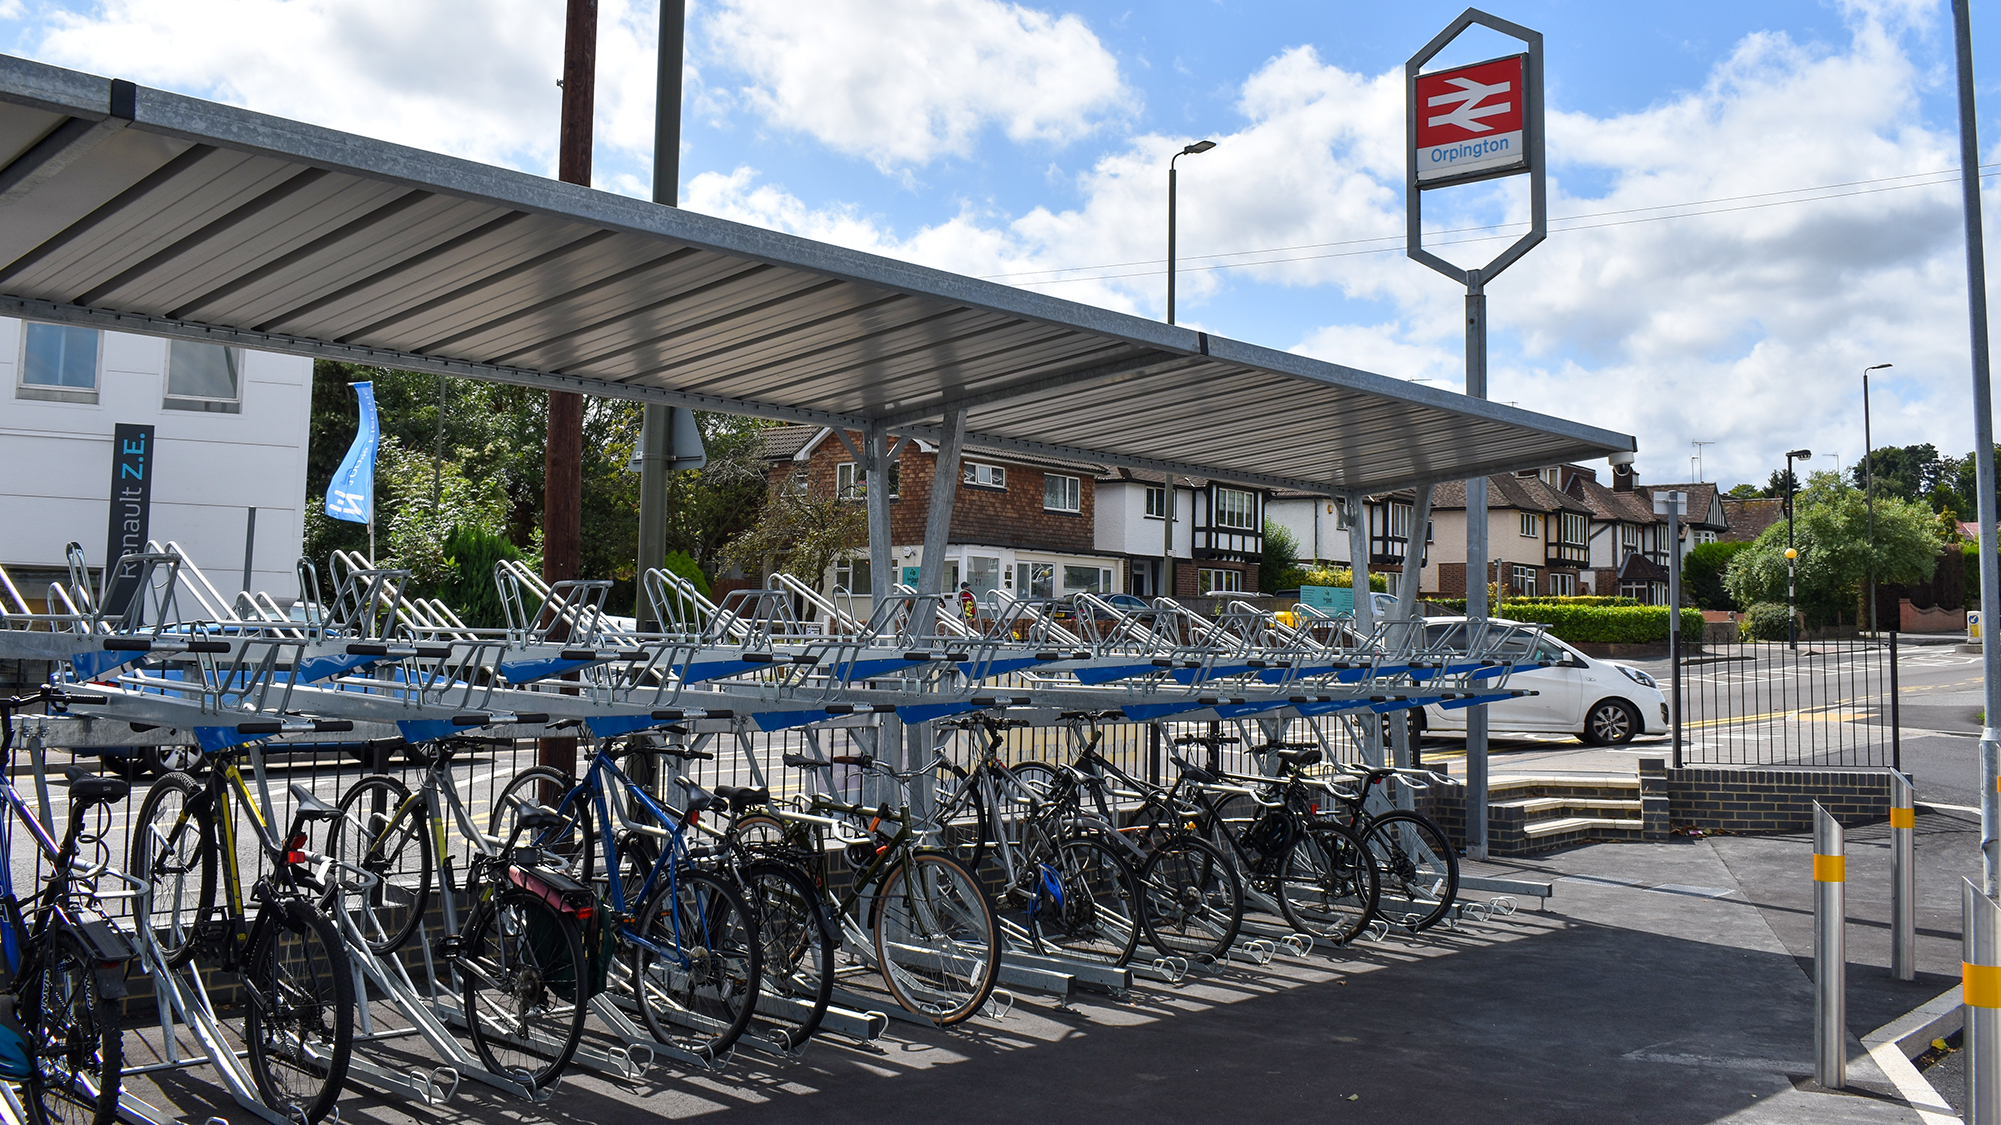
(1416, 866)
(696, 970)
(525, 986)
(76, 1045)
(1193, 898)
(574, 845)
(1327, 884)
(394, 845)
(298, 1011)
(929, 910)
(1098, 916)
(185, 848)
(797, 946)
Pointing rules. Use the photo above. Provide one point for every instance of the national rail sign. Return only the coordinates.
(1470, 122)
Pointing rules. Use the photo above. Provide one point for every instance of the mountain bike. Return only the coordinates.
(298, 1022)
(65, 968)
(1415, 862)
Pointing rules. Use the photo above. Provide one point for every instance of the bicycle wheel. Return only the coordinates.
(1193, 900)
(796, 944)
(1085, 903)
(526, 986)
(695, 968)
(77, 1048)
(376, 832)
(936, 938)
(1328, 888)
(173, 851)
(546, 785)
(298, 1012)
(964, 823)
(1416, 866)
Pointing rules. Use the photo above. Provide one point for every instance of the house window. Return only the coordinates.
(1219, 581)
(1531, 524)
(1036, 580)
(984, 476)
(1236, 508)
(1524, 580)
(1156, 503)
(852, 575)
(206, 377)
(1702, 537)
(1399, 520)
(1061, 494)
(1575, 528)
(1562, 585)
(851, 482)
(1629, 539)
(1086, 579)
(58, 363)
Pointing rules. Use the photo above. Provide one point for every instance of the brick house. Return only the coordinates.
(1538, 535)
(1629, 542)
(1026, 526)
(1218, 532)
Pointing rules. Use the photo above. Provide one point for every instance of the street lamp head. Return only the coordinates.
(1198, 147)
(1878, 367)
(1801, 454)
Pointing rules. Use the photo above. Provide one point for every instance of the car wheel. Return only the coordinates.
(161, 760)
(1611, 722)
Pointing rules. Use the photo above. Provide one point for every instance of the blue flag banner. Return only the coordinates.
(351, 493)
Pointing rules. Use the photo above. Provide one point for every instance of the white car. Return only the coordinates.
(1599, 701)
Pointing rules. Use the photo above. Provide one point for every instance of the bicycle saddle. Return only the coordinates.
(1300, 759)
(698, 797)
(87, 789)
(741, 797)
(1193, 772)
(310, 807)
(532, 817)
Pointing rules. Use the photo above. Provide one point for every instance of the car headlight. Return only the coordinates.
(1637, 676)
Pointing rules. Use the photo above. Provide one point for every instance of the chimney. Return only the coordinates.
(1623, 478)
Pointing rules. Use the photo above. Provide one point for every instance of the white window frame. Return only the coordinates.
(1562, 585)
(1070, 491)
(1530, 526)
(1099, 573)
(1155, 504)
(1247, 510)
(1522, 580)
(1399, 520)
(1218, 581)
(844, 575)
(851, 483)
(983, 476)
(202, 404)
(1579, 522)
(43, 392)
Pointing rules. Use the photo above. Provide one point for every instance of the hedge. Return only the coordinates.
(1613, 624)
(1459, 604)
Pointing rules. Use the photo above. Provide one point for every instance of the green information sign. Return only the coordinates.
(1328, 599)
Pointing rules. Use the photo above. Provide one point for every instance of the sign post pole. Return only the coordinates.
(1463, 125)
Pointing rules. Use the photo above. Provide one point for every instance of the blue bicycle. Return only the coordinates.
(691, 947)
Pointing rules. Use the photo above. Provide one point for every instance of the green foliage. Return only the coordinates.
(1764, 621)
(1459, 604)
(1605, 624)
(683, 564)
(1343, 577)
(1835, 556)
(800, 532)
(466, 585)
(1702, 574)
(1278, 568)
(1744, 492)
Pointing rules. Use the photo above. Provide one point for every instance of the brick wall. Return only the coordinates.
(1185, 576)
(1451, 580)
(1763, 800)
(1011, 517)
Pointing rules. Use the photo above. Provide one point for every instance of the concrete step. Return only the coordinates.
(1557, 827)
(1552, 786)
(1542, 806)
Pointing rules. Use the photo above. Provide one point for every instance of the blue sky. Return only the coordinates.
(1748, 219)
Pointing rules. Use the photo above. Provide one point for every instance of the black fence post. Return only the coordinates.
(1153, 753)
(1896, 712)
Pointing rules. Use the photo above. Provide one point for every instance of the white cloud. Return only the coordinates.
(474, 79)
(905, 82)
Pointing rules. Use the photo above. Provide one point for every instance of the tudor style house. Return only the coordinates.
(1538, 535)
(1025, 526)
(1630, 543)
(1319, 526)
(1218, 532)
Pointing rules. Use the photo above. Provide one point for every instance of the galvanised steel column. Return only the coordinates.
(1476, 572)
(1983, 458)
(655, 420)
(1830, 953)
(1980, 992)
(1903, 879)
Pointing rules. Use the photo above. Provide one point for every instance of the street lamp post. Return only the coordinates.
(1869, 487)
(1792, 555)
(1195, 149)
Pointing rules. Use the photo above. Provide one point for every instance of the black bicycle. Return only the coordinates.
(1415, 862)
(66, 967)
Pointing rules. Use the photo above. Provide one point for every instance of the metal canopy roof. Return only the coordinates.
(144, 211)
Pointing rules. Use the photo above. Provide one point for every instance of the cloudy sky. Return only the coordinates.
(1751, 200)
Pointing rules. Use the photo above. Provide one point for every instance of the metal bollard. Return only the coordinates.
(1903, 879)
(1830, 953)
(1980, 991)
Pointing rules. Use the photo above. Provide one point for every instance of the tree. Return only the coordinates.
(1910, 472)
(1702, 574)
(1835, 557)
(800, 532)
(1745, 492)
(1780, 480)
(1278, 567)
